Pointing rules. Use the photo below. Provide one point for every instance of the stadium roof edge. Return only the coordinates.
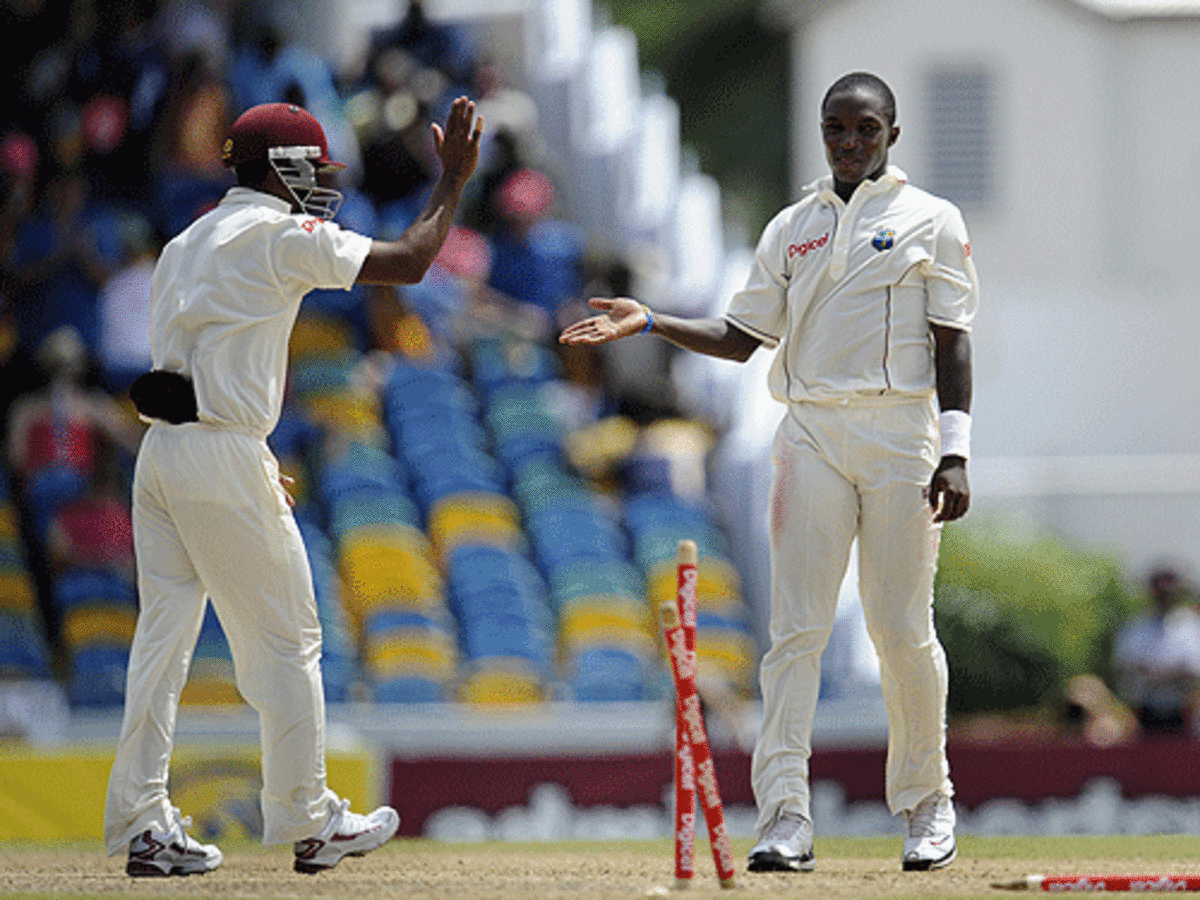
(794, 12)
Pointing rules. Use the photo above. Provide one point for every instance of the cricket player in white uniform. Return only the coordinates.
(211, 518)
(867, 288)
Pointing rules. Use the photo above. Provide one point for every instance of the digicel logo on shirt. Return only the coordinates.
(804, 246)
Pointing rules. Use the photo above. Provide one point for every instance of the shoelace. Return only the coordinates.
(920, 820)
(786, 827)
(339, 817)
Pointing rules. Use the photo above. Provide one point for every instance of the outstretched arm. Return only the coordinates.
(406, 259)
(949, 490)
(622, 317)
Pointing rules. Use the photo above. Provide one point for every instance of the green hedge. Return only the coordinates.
(1019, 618)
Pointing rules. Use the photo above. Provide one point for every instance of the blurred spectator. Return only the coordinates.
(443, 47)
(507, 111)
(1101, 718)
(124, 305)
(18, 167)
(18, 175)
(537, 260)
(69, 68)
(503, 158)
(56, 436)
(190, 175)
(55, 266)
(112, 173)
(196, 28)
(1157, 658)
(392, 122)
(95, 531)
(266, 67)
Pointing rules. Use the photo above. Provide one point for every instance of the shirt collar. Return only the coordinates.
(245, 196)
(894, 177)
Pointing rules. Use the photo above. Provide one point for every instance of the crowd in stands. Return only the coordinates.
(486, 521)
(487, 518)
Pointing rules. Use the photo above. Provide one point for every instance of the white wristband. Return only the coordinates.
(956, 433)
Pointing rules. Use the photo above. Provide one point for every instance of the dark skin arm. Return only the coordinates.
(406, 259)
(623, 317)
(949, 490)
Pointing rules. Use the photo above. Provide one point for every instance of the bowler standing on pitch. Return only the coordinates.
(211, 518)
(867, 288)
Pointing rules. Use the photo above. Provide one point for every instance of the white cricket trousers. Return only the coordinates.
(841, 471)
(211, 519)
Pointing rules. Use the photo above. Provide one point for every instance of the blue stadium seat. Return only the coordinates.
(607, 674)
(409, 689)
(24, 652)
(97, 676)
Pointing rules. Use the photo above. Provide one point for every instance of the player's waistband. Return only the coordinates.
(863, 398)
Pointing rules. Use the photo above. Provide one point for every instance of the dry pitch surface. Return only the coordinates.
(416, 870)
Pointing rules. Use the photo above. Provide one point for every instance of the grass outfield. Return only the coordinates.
(421, 870)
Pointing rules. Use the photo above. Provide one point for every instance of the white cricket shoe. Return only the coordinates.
(787, 846)
(346, 834)
(930, 842)
(174, 852)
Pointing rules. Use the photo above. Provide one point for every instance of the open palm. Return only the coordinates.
(621, 318)
(458, 144)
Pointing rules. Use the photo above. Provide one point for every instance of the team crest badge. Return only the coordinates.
(884, 239)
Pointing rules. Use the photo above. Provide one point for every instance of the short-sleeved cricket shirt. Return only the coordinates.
(225, 295)
(848, 291)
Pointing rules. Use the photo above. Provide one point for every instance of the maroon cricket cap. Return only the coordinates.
(269, 125)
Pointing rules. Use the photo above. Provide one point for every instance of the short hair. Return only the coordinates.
(865, 81)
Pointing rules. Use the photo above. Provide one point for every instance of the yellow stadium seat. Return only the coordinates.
(478, 530)
(636, 642)
(389, 559)
(17, 592)
(98, 625)
(475, 502)
(729, 652)
(717, 583)
(425, 654)
(501, 687)
(211, 682)
(602, 612)
(389, 535)
(10, 527)
(348, 413)
(317, 334)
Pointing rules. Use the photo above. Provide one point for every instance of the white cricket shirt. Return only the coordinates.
(225, 294)
(848, 291)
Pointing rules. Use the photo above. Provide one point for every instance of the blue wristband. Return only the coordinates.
(649, 319)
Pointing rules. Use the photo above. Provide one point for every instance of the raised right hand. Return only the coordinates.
(458, 145)
(622, 317)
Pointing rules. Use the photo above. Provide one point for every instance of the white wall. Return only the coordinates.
(1088, 328)
(1048, 62)
(1088, 299)
(1157, 149)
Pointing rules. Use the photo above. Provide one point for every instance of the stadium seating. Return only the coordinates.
(97, 611)
(456, 551)
(24, 651)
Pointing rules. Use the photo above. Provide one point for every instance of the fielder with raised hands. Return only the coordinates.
(867, 288)
(211, 517)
